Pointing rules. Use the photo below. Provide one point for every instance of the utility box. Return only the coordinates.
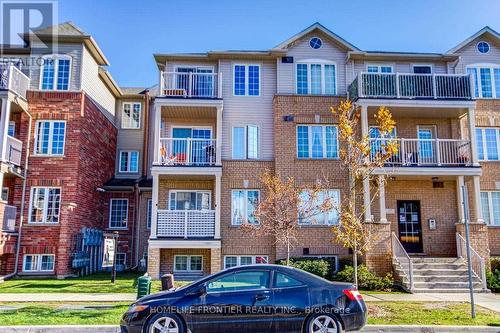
(143, 286)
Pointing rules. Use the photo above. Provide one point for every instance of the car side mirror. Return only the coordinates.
(200, 291)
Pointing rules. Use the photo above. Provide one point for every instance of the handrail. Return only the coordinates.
(399, 254)
(189, 84)
(478, 265)
(188, 151)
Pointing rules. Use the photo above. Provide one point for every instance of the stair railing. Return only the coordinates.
(401, 256)
(478, 265)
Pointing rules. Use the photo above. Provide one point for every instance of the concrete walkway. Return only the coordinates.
(67, 297)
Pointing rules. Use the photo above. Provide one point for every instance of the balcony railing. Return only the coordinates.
(191, 85)
(411, 86)
(11, 78)
(427, 152)
(188, 151)
(14, 149)
(186, 223)
(9, 218)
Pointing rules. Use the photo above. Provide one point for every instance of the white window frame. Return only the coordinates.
(12, 124)
(188, 263)
(484, 146)
(245, 190)
(379, 66)
(477, 79)
(128, 124)
(55, 58)
(238, 259)
(413, 65)
(309, 140)
(39, 263)
(129, 158)
(51, 137)
(246, 142)
(149, 213)
(325, 223)
(124, 258)
(45, 205)
(111, 211)
(490, 208)
(247, 77)
(193, 191)
(483, 41)
(322, 63)
(6, 191)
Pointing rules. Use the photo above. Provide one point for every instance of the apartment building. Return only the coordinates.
(175, 169)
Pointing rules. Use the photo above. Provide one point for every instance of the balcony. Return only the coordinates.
(14, 149)
(186, 224)
(411, 86)
(11, 78)
(188, 152)
(427, 152)
(191, 85)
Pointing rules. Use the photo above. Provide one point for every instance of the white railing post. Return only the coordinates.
(434, 89)
(188, 151)
(190, 84)
(411, 273)
(438, 152)
(219, 87)
(483, 274)
(398, 94)
(360, 85)
(186, 223)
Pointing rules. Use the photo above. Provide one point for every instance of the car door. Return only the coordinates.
(291, 302)
(240, 301)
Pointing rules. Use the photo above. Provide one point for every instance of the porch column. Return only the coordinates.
(156, 136)
(381, 193)
(364, 120)
(4, 128)
(217, 206)
(218, 144)
(471, 121)
(460, 199)
(154, 205)
(476, 194)
(367, 199)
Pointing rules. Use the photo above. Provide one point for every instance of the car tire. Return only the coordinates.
(165, 320)
(323, 323)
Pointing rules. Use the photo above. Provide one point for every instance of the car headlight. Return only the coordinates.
(135, 308)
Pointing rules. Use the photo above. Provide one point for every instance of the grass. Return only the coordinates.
(96, 283)
(429, 313)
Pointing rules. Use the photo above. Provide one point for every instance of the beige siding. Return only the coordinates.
(469, 54)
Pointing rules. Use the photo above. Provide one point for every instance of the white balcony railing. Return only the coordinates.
(411, 86)
(188, 151)
(14, 149)
(477, 262)
(188, 85)
(9, 218)
(11, 78)
(427, 152)
(186, 223)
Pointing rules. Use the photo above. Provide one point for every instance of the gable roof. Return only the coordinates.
(322, 28)
(486, 30)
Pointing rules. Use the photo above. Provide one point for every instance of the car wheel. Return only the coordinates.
(323, 324)
(165, 323)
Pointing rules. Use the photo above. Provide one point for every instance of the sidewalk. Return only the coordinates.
(67, 297)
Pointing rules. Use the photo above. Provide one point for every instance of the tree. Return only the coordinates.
(284, 204)
(361, 156)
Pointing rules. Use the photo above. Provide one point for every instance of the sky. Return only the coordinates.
(131, 31)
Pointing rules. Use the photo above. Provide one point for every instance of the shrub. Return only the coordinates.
(317, 267)
(493, 276)
(495, 264)
(366, 279)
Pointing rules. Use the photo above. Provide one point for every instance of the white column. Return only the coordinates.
(460, 199)
(217, 205)
(364, 120)
(218, 147)
(4, 128)
(471, 121)
(156, 135)
(381, 194)
(367, 200)
(1, 183)
(476, 188)
(154, 205)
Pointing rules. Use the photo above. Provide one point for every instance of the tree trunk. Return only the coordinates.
(355, 265)
(288, 252)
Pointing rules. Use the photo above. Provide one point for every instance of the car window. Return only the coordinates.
(240, 281)
(282, 281)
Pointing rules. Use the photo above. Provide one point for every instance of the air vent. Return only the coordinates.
(288, 118)
(287, 60)
(305, 251)
(438, 184)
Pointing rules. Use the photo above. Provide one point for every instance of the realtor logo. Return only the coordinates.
(18, 17)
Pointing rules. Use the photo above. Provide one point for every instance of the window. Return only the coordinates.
(285, 281)
(188, 263)
(246, 80)
(45, 205)
(49, 137)
(5, 194)
(243, 206)
(129, 161)
(315, 43)
(38, 263)
(12, 129)
(232, 261)
(490, 204)
(121, 258)
(486, 80)
(316, 79)
(317, 141)
(246, 142)
(131, 115)
(189, 200)
(316, 217)
(379, 69)
(422, 69)
(149, 213)
(488, 143)
(55, 72)
(240, 281)
(483, 47)
(118, 213)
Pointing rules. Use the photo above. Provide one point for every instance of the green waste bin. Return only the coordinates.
(143, 286)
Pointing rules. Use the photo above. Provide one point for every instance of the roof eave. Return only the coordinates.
(404, 56)
(485, 30)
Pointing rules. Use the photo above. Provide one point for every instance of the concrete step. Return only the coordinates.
(436, 260)
(442, 278)
(445, 285)
(435, 272)
(448, 291)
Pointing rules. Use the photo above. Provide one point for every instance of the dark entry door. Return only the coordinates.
(410, 226)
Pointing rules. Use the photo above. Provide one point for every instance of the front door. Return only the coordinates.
(410, 226)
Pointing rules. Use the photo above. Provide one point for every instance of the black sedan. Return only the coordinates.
(255, 298)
